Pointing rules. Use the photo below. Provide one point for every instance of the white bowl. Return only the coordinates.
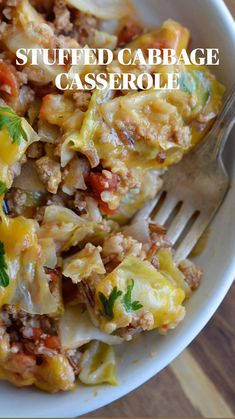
(211, 26)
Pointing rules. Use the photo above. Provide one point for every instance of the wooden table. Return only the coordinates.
(200, 382)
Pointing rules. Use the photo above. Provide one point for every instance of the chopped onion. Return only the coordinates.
(77, 171)
(28, 180)
(48, 133)
(139, 230)
(93, 209)
(113, 27)
(104, 40)
(48, 252)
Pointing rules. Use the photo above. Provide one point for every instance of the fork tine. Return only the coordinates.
(147, 209)
(192, 237)
(166, 209)
(179, 223)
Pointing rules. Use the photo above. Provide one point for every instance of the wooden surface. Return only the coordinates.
(200, 382)
(231, 5)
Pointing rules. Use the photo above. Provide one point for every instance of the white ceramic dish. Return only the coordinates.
(211, 26)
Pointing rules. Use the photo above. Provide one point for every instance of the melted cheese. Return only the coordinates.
(11, 152)
(17, 234)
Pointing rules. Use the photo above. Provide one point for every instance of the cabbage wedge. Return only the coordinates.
(81, 265)
(98, 365)
(148, 291)
(28, 287)
(68, 229)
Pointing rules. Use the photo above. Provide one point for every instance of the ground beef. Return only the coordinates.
(16, 200)
(138, 325)
(82, 100)
(159, 238)
(35, 150)
(62, 17)
(117, 246)
(28, 344)
(192, 273)
(33, 334)
(84, 27)
(49, 173)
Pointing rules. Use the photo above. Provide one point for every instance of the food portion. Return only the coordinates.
(76, 278)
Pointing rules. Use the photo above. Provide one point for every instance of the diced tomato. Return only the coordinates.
(54, 275)
(105, 208)
(161, 44)
(36, 333)
(8, 78)
(52, 342)
(129, 33)
(100, 183)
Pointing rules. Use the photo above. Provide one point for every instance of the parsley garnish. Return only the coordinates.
(108, 303)
(197, 83)
(14, 124)
(4, 278)
(128, 304)
(3, 188)
(187, 83)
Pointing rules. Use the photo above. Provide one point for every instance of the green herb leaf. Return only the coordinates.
(203, 84)
(187, 83)
(14, 124)
(128, 304)
(3, 188)
(4, 278)
(108, 303)
(196, 82)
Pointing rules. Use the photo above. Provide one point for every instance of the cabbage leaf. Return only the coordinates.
(68, 229)
(169, 269)
(29, 285)
(83, 264)
(76, 329)
(157, 294)
(98, 365)
(83, 141)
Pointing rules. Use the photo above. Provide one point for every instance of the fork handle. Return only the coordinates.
(215, 142)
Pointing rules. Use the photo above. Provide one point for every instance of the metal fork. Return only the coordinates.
(193, 189)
